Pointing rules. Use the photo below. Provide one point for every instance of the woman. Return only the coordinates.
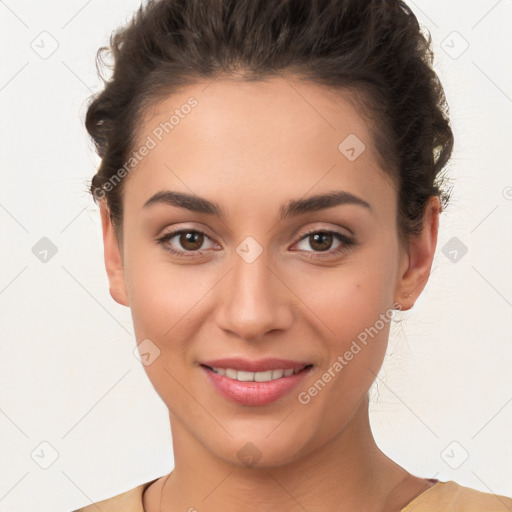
(270, 191)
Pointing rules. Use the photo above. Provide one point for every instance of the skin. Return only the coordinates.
(251, 148)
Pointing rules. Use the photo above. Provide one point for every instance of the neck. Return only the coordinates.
(347, 473)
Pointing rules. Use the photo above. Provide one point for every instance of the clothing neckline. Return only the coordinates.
(434, 481)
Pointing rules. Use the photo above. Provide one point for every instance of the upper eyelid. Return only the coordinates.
(324, 230)
(176, 231)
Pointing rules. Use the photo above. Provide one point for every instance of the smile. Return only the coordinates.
(255, 388)
(246, 376)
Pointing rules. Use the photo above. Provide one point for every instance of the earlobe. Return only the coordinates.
(415, 271)
(113, 258)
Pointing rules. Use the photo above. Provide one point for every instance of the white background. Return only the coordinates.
(68, 375)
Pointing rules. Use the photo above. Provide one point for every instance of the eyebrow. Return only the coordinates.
(293, 207)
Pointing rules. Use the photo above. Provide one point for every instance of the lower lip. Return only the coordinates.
(254, 393)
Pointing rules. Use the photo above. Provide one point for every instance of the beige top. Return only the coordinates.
(440, 497)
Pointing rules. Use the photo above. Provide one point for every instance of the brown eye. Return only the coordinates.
(321, 241)
(186, 242)
(331, 243)
(191, 240)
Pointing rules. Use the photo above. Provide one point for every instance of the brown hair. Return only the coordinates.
(372, 49)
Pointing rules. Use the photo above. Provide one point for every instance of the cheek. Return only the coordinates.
(353, 311)
(355, 308)
(163, 296)
(153, 301)
(164, 301)
(347, 299)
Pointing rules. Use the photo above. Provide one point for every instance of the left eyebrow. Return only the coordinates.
(294, 207)
(322, 201)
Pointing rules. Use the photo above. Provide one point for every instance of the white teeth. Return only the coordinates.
(266, 376)
(232, 374)
(277, 374)
(245, 376)
(254, 376)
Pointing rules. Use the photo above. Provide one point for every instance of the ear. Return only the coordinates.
(113, 258)
(417, 262)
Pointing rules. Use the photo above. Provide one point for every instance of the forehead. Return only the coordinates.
(284, 136)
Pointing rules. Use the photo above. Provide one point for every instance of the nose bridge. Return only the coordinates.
(252, 302)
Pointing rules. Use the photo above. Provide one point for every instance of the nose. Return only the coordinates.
(253, 300)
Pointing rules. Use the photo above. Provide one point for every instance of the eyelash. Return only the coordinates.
(347, 243)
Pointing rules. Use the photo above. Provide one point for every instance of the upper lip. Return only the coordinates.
(260, 365)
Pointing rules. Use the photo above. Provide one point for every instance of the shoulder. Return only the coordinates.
(451, 497)
(128, 501)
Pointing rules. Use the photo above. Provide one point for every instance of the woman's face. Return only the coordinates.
(252, 278)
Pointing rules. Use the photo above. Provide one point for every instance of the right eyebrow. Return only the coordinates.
(188, 201)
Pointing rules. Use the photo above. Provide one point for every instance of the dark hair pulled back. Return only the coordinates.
(373, 49)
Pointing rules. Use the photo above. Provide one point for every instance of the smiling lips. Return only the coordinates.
(254, 382)
(244, 376)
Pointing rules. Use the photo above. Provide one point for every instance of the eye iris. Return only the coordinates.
(321, 237)
(193, 238)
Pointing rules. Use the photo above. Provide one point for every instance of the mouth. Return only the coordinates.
(262, 376)
(254, 383)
